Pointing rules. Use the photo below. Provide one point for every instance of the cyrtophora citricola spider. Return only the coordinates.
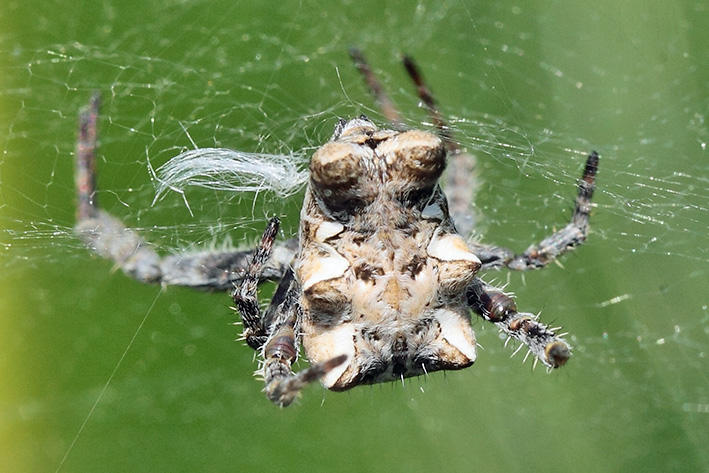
(380, 283)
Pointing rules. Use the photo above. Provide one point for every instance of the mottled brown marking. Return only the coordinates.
(366, 272)
(415, 266)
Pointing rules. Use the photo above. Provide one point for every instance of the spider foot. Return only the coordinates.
(542, 342)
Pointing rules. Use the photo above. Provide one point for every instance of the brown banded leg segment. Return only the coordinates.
(85, 176)
(281, 351)
(245, 295)
(383, 100)
(426, 97)
(555, 245)
(497, 307)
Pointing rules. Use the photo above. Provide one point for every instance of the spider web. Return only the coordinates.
(529, 90)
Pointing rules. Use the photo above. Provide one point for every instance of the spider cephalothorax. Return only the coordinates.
(379, 285)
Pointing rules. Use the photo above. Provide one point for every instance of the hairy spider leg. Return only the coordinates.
(281, 351)
(109, 237)
(573, 234)
(497, 307)
(276, 332)
(103, 233)
(245, 295)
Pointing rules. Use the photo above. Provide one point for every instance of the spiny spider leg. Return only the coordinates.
(281, 350)
(460, 196)
(245, 295)
(555, 245)
(497, 307)
(280, 347)
(110, 238)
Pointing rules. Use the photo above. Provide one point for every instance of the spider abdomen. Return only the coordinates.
(382, 270)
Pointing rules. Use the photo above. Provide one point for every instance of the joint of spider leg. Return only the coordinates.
(525, 324)
(556, 352)
(281, 347)
(277, 373)
(495, 306)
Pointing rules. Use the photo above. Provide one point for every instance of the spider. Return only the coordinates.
(380, 284)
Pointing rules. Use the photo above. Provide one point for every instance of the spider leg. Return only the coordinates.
(385, 104)
(109, 237)
(103, 233)
(245, 295)
(426, 97)
(497, 307)
(460, 179)
(87, 207)
(281, 350)
(555, 245)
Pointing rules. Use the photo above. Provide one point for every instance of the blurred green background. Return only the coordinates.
(100, 373)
